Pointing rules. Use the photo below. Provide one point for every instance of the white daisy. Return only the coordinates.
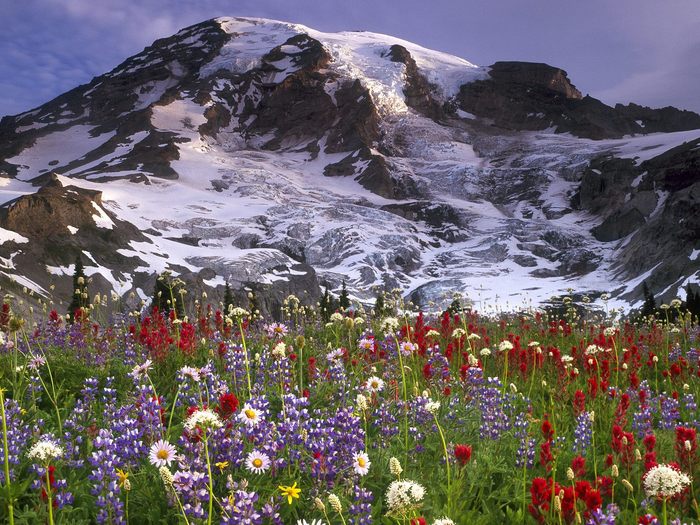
(141, 370)
(257, 462)
(191, 372)
(374, 385)
(361, 463)
(250, 416)
(162, 453)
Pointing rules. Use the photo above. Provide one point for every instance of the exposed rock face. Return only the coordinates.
(531, 96)
(418, 91)
(663, 120)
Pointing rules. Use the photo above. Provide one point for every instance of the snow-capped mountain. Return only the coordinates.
(279, 157)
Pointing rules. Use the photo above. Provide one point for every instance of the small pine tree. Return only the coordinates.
(379, 305)
(455, 307)
(228, 298)
(169, 293)
(649, 306)
(324, 306)
(344, 301)
(81, 296)
(692, 301)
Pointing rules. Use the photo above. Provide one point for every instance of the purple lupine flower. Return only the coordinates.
(525, 455)
(583, 433)
(361, 509)
(598, 517)
(105, 461)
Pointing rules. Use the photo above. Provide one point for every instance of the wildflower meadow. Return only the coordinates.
(358, 416)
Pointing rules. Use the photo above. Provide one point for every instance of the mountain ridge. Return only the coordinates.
(350, 156)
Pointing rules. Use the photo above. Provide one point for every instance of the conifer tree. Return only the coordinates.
(81, 296)
(228, 298)
(379, 305)
(649, 306)
(344, 301)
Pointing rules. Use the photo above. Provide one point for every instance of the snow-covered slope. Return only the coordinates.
(259, 151)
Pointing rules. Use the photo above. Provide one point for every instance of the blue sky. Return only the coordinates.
(646, 51)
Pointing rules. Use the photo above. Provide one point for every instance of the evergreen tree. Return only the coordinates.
(649, 306)
(379, 305)
(325, 306)
(455, 307)
(344, 301)
(169, 294)
(692, 300)
(228, 298)
(81, 296)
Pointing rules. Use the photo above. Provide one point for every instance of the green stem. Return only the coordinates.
(48, 495)
(172, 411)
(405, 398)
(211, 479)
(665, 517)
(447, 464)
(10, 502)
(245, 355)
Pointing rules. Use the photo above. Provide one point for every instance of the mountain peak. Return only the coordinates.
(279, 157)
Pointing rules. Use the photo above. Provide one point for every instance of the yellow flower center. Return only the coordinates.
(162, 454)
(257, 462)
(361, 462)
(250, 413)
(375, 384)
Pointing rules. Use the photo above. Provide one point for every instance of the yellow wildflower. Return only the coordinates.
(290, 492)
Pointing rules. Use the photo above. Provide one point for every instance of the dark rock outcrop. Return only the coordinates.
(533, 96)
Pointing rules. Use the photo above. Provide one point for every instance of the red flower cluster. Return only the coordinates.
(542, 492)
(463, 453)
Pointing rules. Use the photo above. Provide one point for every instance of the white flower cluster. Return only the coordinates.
(45, 451)
(504, 346)
(390, 325)
(206, 419)
(404, 496)
(432, 406)
(280, 350)
(609, 331)
(593, 350)
(444, 521)
(664, 481)
(238, 312)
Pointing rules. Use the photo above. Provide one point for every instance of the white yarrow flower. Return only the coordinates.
(444, 521)
(45, 451)
(206, 419)
(504, 346)
(664, 481)
(404, 496)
